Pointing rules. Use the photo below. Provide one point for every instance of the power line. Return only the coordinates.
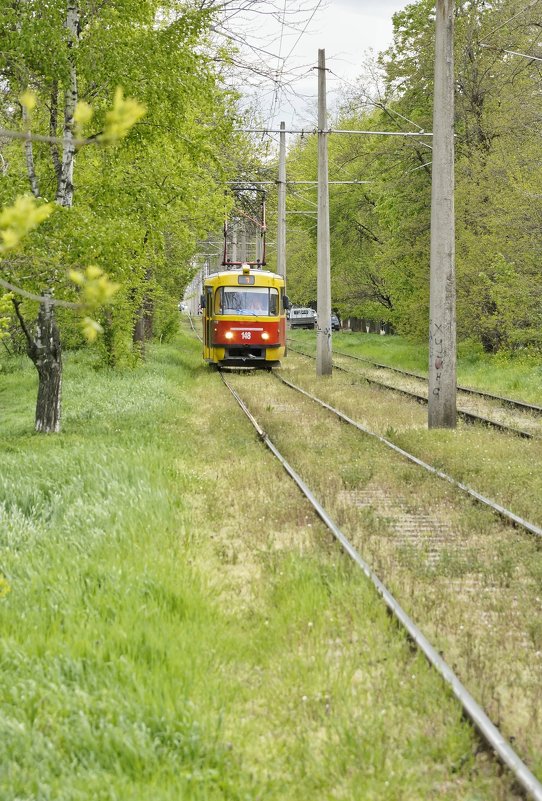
(519, 13)
(512, 52)
(296, 183)
(335, 183)
(305, 132)
(280, 68)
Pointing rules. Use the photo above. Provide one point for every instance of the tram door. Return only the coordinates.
(208, 316)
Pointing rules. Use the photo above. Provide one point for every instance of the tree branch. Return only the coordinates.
(31, 137)
(30, 342)
(38, 298)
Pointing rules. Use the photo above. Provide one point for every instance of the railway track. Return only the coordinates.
(505, 513)
(517, 404)
(411, 548)
(525, 423)
(424, 554)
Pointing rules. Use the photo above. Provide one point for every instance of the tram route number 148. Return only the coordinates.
(246, 335)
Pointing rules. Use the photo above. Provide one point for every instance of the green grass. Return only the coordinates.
(470, 580)
(176, 624)
(517, 376)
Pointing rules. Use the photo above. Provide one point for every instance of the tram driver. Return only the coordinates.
(257, 302)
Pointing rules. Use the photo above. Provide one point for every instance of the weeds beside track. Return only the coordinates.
(523, 423)
(177, 624)
(487, 730)
(442, 559)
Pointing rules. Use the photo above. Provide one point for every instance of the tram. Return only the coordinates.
(244, 317)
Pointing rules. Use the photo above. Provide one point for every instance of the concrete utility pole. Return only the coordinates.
(243, 241)
(235, 232)
(281, 221)
(442, 331)
(323, 338)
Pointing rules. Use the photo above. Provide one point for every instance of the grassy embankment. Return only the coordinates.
(177, 625)
(517, 376)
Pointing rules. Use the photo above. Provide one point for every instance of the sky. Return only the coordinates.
(346, 29)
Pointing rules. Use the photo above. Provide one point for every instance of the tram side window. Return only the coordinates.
(273, 302)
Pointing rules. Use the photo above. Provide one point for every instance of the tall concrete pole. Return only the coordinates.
(323, 339)
(281, 221)
(235, 233)
(442, 329)
(243, 256)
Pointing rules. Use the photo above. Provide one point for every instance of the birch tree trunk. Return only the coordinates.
(29, 155)
(64, 195)
(53, 122)
(45, 348)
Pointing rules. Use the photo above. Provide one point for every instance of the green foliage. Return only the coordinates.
(140, 206)
(380, 231)
(18, 220)
(6, 313)
(124, 114)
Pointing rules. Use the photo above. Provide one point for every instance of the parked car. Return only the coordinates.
(335, 323)
(302, 317)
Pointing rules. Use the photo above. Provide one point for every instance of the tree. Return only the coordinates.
(138, 205)
(379, 232)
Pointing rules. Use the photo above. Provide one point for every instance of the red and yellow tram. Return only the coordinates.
(244, 317)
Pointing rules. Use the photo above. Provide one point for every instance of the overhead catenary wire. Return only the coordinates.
(280, 68)
(510, 19)
(308, 132)
(380, 104)
(296, 183)
(512, 52)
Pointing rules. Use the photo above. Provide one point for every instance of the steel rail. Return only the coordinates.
(470, 417)
(507, 514)
(469, 390)
(194, 328)
(472, 709)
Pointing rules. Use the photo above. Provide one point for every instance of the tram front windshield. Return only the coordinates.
(254, 300)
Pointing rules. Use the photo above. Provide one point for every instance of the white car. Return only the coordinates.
(302, 317)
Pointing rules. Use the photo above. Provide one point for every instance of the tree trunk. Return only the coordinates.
(64, 195)
(48, 361)
(143, 328)
(53, 122)
(139, 332)
(29, 155)
(45, 351)
(148, 316)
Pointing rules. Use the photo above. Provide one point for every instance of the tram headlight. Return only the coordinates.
(229, 334)
(265, 335)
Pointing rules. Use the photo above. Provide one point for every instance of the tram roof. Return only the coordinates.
(253, 271)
